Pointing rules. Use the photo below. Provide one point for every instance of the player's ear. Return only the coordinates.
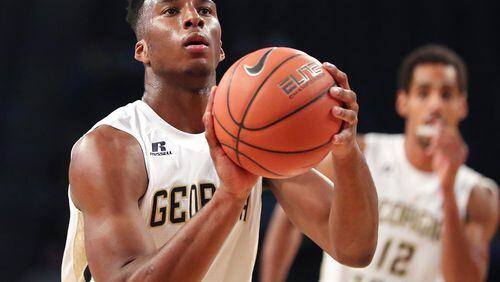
(402, 103)
(222, 55)
(141, 52)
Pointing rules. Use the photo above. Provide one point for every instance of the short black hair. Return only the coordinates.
(432, 53)
(134, 13)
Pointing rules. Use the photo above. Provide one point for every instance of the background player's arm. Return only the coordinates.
(465, 246)
(108, 178)
(280, 247)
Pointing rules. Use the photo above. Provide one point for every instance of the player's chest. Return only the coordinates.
(170, 163)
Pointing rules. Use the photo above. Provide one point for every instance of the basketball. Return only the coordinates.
(272, 112)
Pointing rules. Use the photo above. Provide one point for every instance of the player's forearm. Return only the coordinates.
(189, 254)
(280, 247)
(354, 211)
(458, 260)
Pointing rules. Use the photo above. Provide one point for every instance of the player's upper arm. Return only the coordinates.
(481, 222)
(107, 178)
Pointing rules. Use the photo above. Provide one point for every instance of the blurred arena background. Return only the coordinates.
(66, 64)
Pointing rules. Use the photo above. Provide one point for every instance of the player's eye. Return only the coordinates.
(205, 11)
(170, 11)
(446, 95)
(422, 94)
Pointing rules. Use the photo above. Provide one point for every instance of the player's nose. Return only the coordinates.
(436, 102)
(193, 19)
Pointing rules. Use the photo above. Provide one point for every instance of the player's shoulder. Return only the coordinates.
(483, 199)
(476, 179)
(107, 160)
(109, 131)
(486, 189)
(105, 147)
(103, 138)
(102, 161)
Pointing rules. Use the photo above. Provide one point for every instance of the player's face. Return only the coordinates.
(434, 97)
(182, 36)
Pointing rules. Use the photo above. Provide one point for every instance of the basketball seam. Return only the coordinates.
(270, 150)
(253, 98)
(253, 161)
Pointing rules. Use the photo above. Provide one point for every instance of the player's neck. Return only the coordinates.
(177, 102)
(415, 153)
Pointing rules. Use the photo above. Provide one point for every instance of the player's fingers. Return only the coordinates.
(339, 76)
(349, 97)
(208, 121)
(346, 115)
(444, 138)
(210, 102)
(452, 142)
(432, 147)
(209, 131)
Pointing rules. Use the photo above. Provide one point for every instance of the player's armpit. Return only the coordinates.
(107, 178)
(481, 223)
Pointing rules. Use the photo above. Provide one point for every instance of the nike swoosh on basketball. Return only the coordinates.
(257, 69)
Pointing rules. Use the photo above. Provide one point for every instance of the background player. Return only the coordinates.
(140, 176)
(437, 216)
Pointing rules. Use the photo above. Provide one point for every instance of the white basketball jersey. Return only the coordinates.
(182, 179)
(410, 211)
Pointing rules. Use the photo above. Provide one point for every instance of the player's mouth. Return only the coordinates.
(433, 120)
(196, 43)
(430, 127)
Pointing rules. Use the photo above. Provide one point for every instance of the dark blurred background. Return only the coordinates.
(67, 64)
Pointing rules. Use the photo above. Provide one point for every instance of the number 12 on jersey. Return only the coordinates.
(396, 256)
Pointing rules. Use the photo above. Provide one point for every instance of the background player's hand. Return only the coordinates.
(343, 142)
(234, 179)
(449, 152)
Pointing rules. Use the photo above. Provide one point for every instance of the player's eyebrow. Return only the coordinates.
(165, 1)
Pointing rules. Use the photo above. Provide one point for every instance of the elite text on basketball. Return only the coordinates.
(295, 82)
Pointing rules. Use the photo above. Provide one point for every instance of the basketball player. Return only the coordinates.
(437, 216)
(154, 198)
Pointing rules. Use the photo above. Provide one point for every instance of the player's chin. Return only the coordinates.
(200, 68)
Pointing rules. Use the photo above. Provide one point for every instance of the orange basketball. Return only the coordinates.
(272, 112)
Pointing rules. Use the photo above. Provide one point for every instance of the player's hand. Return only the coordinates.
(234, 179)
(449, 152)
(344, 142)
